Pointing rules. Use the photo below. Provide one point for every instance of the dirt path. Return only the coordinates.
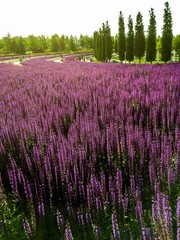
(18, 60)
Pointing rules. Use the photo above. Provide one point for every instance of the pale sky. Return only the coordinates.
(75, 17)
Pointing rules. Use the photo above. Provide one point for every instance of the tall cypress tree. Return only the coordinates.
(100, 44)
(108, 42)
(121, 37)
(103, 37)
(130, 41)
(103, 43)
(151, 38)
(139, 41)
(167, 35)
(96, 43)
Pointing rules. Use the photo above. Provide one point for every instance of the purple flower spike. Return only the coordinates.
(68, 233)
(115, 228)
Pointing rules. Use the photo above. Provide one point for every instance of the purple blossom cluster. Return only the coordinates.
(93, 144)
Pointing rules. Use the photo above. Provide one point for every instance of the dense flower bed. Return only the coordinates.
(91, 151)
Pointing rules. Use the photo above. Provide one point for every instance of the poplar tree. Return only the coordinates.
(167, 35)
(139, 41)
(121, 38)
(130, 41)
(151, 38)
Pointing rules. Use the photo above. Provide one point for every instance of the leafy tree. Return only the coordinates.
(33, 44)
(42, 43)
(85, 42)
(139, 41)
(89, 42)
(167, 35)
(55, 43)
(14, 42)
(62, 43)
(7, 43)
(72, 43)
(15, 45)
(21, 48)
(151, 38)
(82, 41)
(121, 38)
(176, 44)
(130, 41)
(1, 46)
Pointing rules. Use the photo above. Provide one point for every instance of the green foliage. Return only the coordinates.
(176, 44)
(158, 43)
(108, 42)
(130, 41)
(96, 44)
(139, 42)
(85, 42)
(42, 44)
(11, 227)
(72, 43)
(121, 38)
(167, 35)
(62, 43)
(38, 44)
(55, 43)
(102, 42)
(7, 43)
(116, 44)
(151, 38)
(21, 48)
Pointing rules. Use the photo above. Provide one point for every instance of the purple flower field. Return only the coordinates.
(92, 151)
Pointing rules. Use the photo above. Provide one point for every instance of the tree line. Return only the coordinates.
(135, 43)
(128, 45)
(44, 44)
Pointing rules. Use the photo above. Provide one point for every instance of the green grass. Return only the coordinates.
(11, 227)
(136, 60)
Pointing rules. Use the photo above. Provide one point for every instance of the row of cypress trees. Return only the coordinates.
(103, 43)
(135, 43)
